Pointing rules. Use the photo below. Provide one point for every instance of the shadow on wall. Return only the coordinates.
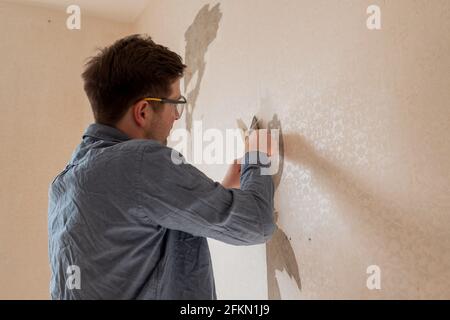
(374, 218)
(380, 220)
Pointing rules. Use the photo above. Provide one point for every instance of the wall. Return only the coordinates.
(364, 116)
(43, 114)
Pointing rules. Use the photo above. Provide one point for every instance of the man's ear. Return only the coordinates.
(141, 111)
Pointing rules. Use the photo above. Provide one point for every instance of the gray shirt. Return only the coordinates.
(126, 222)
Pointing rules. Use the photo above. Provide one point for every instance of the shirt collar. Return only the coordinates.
(105, 132)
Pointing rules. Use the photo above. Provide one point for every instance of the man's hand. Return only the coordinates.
(256, 141)
(233, 176)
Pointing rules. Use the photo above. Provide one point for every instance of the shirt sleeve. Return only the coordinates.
(181, 197)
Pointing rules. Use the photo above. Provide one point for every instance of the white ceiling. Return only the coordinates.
(116, 10)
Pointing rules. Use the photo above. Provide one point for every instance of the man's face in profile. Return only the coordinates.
(162, 122)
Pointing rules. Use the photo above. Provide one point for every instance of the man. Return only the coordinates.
(125, 221)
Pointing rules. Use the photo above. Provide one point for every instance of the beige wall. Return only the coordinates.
(43, 114)
(365, 115)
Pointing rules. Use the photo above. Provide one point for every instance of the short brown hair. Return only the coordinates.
(128, 70)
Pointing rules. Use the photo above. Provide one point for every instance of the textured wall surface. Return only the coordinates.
(365, 121)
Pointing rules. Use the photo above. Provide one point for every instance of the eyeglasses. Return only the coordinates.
(177, 104)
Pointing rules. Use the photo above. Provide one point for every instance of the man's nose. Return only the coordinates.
(176, 114)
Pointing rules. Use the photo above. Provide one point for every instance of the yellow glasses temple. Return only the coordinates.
(153, 99)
